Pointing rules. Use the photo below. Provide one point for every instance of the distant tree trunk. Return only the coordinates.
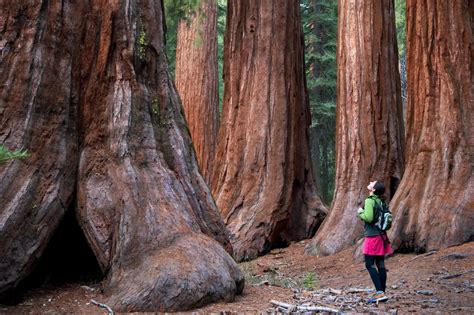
(369, 123)
(434, 204)
(144, 208)
(262, 182)
(196, 80)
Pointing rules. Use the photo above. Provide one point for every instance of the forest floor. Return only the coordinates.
(434, 282)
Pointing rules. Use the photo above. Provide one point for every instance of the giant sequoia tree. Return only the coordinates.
(369, 123)
(196, 80)
(262, 180)
(435, 201)
(85, 88)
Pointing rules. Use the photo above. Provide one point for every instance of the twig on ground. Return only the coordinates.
(424, 255)
(435, 300)
(335, 291)
(455, 275)
(358, 290)
(462, 308)
(264, 282)
(111, 312)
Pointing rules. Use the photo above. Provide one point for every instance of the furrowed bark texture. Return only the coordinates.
(262, 181)
(196, 81)
(369, 122)
(434, 204)
(144, 207)
(37, 56)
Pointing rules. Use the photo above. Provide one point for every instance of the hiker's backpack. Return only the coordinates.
(382, 216)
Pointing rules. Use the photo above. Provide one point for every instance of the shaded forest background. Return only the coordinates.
(319, 22)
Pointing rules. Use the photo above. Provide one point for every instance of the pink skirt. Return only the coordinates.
(376, 245)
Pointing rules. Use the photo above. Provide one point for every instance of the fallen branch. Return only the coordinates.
(287, 306)
(317, 309)
(358, 290)
(455, 256)
(424, 255)
(280, 309)
(87, 288)
(335, 291)
(456, 274)
(111, 312)
(462, 308)
(451, 276)
(428, 301)
(264, 282)
(291, 308)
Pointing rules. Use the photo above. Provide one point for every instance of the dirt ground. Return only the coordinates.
(440, 281)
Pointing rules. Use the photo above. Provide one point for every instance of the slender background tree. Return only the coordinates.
(196, 80)
(400, 22)
(176, 11)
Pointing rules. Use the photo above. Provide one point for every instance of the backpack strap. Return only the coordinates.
(374, 208)
(374, 198)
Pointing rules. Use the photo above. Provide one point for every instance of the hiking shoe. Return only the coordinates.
(378, 297)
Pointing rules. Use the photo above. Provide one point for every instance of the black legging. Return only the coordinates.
(376, 267)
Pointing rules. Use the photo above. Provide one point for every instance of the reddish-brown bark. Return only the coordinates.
(145, 209)
(196, 80)
(434, 204)
(262, 180)
(369, 122)
(37, 113)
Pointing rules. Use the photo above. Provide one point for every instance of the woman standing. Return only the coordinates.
(376, 243)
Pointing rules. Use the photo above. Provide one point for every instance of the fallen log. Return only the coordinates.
(288, 307)
(317, 309)
(291, 308)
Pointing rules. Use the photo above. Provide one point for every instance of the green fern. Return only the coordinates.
(309, 281)
(6, 155)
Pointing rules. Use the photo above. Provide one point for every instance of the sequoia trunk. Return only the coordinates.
(37, 113)
(434, 204)
(196, 80)
(369, 122)
(262, 181)
(144, 208)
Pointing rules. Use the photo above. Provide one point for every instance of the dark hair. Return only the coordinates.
(379, 188)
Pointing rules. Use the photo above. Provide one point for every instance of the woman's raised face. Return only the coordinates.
(371, 185)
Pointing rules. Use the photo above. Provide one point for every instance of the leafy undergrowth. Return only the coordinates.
(441, 281)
